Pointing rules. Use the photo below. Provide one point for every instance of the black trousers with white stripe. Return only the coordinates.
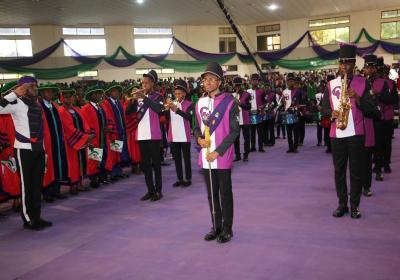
(31, 165)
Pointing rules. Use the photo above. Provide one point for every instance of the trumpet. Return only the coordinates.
(168, 102)
(133, 95)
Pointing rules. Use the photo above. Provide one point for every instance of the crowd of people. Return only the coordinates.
(59, 134)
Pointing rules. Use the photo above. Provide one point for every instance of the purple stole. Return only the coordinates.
(185, 105)
(219, 118)
(244, 98)
(358, 85)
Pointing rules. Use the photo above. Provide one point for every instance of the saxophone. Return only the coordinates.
(344, 106)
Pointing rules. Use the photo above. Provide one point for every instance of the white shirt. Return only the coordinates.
(287, 96)
(319, 97)
(253, 100)
(178, 126)
(144, 126)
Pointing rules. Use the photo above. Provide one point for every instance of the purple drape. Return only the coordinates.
(18, 62)
(272, 56)
(199, 55)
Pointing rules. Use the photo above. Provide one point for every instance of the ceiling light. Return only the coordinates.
(272, 7)
(139, 1)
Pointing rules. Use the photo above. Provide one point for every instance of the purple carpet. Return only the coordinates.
(283, 228)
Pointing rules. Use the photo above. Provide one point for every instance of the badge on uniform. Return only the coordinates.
(95, 154)
(117, 146)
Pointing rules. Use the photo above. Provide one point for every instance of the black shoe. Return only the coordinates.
(186, 184)
(147, 196)
(284, 137)
(212, 235)
(277, 137)
(33, 226)
(290, 151)
(105, 182)
(340, 211)
(94, 184)
(237, 158)
(224, 237)
(48, 199)
(355, 213)
(59, 196)
(177, 184)
(157, 196)
(261, 150)
(367, 192)
(44, 223)
(245, 157)
(387, 169)
(379, 176)
(83, 189)
(328, 151)
(319, 144)
(252, 150)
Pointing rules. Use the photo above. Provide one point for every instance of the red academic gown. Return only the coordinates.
(113, 157)
(131, 133)
(10, 180)
(75, 139)
(89, 114)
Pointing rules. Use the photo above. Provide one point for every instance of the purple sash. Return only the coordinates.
(216, 116)
(143, 109)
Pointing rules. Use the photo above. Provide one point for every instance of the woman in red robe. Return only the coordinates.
(77, 137)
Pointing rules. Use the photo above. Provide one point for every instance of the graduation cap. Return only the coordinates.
(181, 84)
(215, 69)
(152, 75)
(51, 86)
(67, 92)
(130, 87)
(93, 89)
(347, 52)
(112, 85)
(370, 60)
(8, 87)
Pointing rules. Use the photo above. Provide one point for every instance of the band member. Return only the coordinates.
(57, 165)
(270, 111)
(347, 100)
(179, 113)
(77, 137)
(115, 114)
(217, 127)
(27, 116)
(9, 176)
(279, 101)
(386, 104)
(148, 104)
(97, 166)
(244, 99)
(369, 71)
(257, 108)
(302, 100)
(131, 131)
(290, 100)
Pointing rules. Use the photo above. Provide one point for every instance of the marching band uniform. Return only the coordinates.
(348, 144)
(149, 136)
(179, 136)
(257, 104)
(220, 114)
(244, 98)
